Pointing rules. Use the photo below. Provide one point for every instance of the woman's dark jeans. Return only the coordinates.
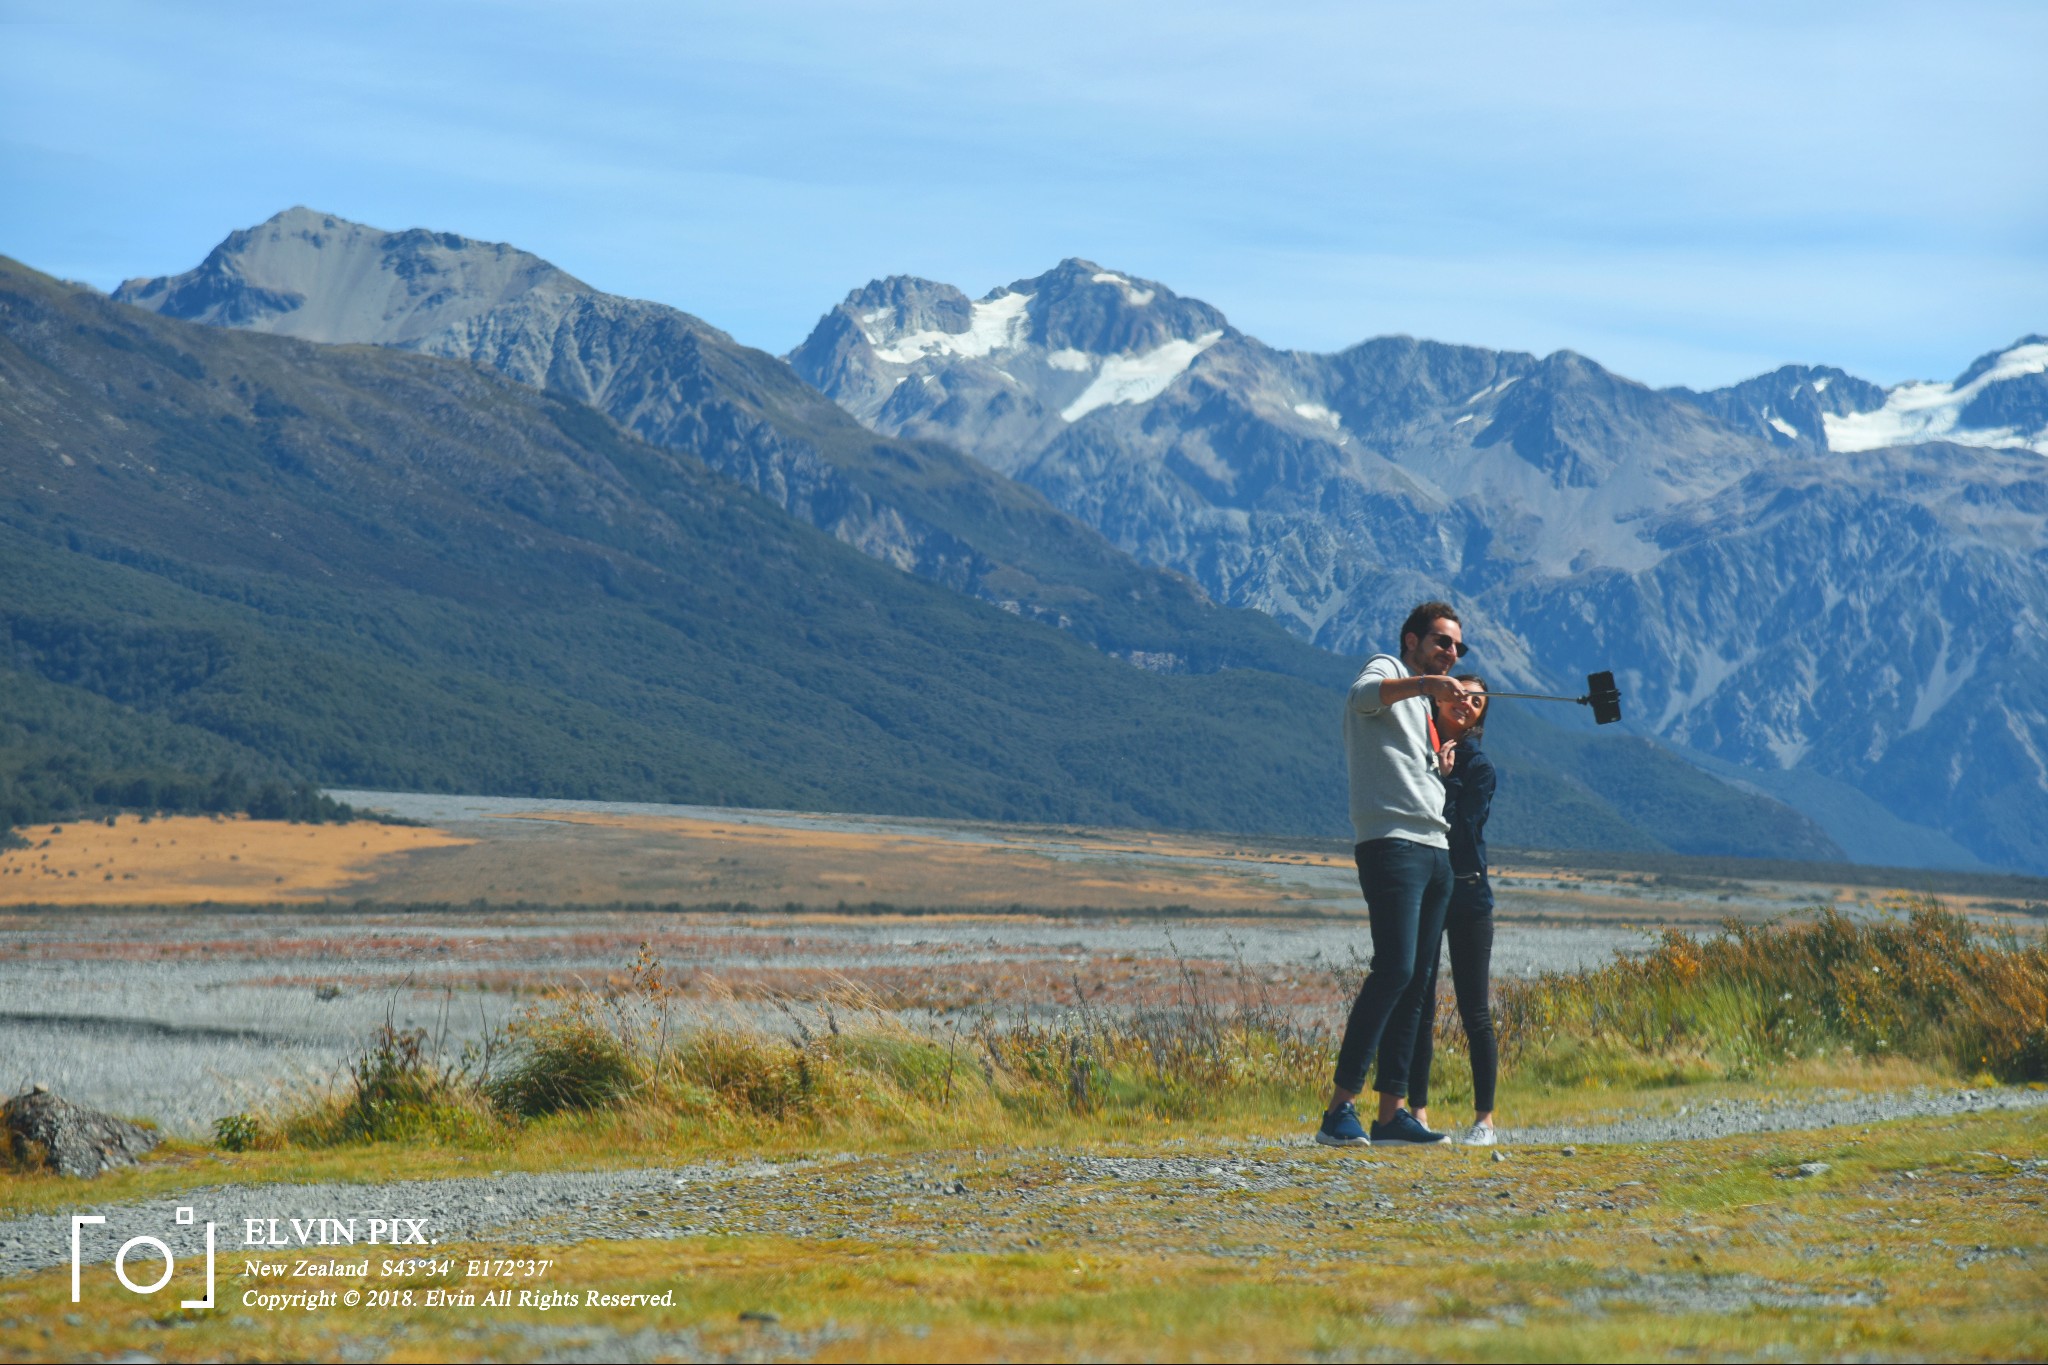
(1469, 928)
(1407, 887)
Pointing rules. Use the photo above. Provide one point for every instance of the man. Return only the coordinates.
(1404, 868)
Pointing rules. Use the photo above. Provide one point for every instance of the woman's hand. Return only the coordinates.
(1447, 757)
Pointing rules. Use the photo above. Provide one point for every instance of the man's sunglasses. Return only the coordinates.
(1443, 641)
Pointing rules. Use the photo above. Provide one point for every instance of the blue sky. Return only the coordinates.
(1689, 194)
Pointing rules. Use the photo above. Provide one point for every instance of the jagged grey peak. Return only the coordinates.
(1790, 406)
(1999, 402)
(1279, 480)
(321, 278)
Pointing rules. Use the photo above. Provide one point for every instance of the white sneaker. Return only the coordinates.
(1479, 1135)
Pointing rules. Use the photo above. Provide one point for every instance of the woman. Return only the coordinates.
(1468, 797)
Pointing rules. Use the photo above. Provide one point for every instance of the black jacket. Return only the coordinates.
(1468, 799)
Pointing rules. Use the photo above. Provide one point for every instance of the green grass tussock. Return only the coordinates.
(565, 1062)
(1197, 1057)
(399, 1090)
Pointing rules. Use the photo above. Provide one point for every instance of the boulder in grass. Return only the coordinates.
(43, 1131)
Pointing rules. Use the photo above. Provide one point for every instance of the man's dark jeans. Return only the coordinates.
(1407, 888)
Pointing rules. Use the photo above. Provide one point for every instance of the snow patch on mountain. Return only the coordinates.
(1697, 677)
(1316, 412)
(1067, 358)
(1929, 411)
(1138, 297)
(994, 324)
(1138, 378)
(1788, 749)
(1942, 685)
(1491, 389)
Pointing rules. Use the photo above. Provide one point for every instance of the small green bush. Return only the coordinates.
(239, 1132)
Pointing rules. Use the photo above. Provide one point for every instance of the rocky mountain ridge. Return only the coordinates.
(678, 382)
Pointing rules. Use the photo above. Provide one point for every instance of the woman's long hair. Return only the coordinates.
(1478, 730)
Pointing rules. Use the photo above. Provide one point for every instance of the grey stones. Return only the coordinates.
(43, 1131)
(1812, 1168)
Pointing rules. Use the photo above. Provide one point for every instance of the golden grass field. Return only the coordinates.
(188, 859)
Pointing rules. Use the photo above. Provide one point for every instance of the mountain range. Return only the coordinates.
(231, 552)
(1837, 586)
(1795, 578)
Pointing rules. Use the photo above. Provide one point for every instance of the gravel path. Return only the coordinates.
(844, 1195)
(1841, 1109)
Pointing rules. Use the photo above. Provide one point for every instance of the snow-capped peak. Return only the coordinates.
(1075, 339)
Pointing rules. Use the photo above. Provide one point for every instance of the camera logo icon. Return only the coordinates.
(79, 1221)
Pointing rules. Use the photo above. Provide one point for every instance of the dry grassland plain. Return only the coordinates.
(1217, 1235)
(512, 852)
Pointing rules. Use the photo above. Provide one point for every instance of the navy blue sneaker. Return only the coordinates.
(1341, 1128)
(1404, 1130)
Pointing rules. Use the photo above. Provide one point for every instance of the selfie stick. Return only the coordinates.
(1601, 695)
